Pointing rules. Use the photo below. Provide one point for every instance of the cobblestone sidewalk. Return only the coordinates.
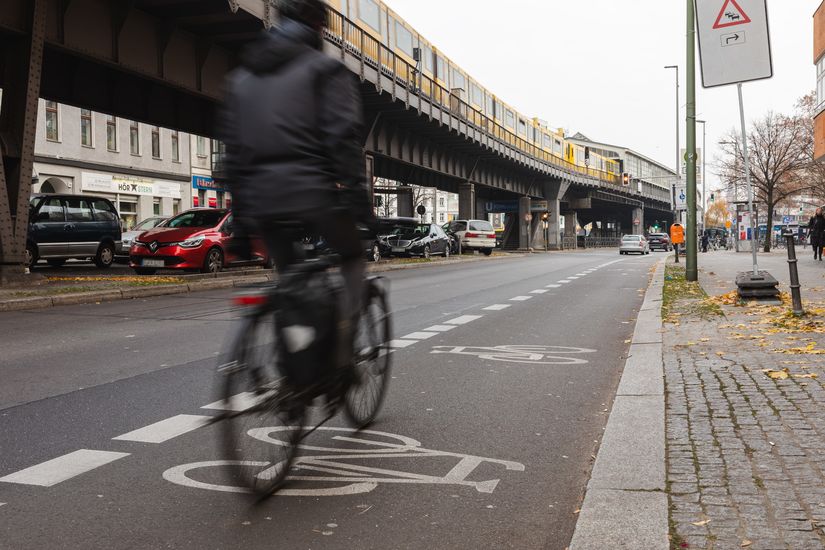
(746, 424)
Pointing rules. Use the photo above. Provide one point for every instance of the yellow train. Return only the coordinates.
(446, 81)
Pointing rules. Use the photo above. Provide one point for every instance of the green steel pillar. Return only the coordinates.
(692, 270)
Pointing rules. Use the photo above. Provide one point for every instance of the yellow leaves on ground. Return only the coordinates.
(729, 299)
(785, 373)
(810, 349)
(102, 279)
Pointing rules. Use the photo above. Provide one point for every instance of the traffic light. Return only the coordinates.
(626, 179)
(545, 217)
(712, 197)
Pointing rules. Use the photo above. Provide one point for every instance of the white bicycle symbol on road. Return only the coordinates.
(344, 468)
(534, 355)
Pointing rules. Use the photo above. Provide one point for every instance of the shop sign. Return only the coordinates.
(213, 202)
(129, 185)
(206, 183)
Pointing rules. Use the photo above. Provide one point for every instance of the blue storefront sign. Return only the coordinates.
(207, 184)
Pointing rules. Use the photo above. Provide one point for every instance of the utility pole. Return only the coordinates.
(691, 269)
(677, 167)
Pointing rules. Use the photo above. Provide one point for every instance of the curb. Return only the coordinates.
(626, 504)
(199, 283)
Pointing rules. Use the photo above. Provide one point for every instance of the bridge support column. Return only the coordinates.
(466, 201)
(22, 63)
(405, 202)
(554, 241)
(571, 220)
(525, 226)
(638, 214)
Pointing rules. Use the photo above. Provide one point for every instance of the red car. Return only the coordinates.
(195, 240)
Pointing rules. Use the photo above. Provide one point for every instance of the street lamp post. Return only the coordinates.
(678, 149)
(704, 173)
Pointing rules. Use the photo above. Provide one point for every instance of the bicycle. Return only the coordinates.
(259, 399)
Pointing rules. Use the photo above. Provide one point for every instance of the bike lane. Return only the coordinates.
(484, 442)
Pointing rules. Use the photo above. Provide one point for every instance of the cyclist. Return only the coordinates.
(292, 124)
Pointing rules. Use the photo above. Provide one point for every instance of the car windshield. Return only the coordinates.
(412, 233)
(148, 224)
(631, 238)
(197, 218)
(481, 226)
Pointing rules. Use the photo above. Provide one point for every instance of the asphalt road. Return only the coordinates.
(478, 446)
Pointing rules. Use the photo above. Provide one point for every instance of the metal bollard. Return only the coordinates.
(792, 266)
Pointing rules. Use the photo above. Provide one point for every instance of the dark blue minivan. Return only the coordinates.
(63, 227)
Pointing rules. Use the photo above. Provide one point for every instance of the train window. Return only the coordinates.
(476, 95)
(370, 13)
(458, 80)
(522, 128)
(548, 142)
(557, 146)
(510, 119)
(427, 52)
(441, 71)
(403, 38)
(491, 106)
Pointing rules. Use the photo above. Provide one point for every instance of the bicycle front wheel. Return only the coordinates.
(365, 395)
(258, 404)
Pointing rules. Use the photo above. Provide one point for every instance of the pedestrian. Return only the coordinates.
(816, 231)
(705, 241)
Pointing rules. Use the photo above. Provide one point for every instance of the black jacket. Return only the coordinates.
(292, 124)
(816, 227)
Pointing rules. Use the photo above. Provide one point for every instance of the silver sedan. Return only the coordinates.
(634, 244)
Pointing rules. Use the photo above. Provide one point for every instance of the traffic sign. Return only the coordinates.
(637, 221)
(681, 198)
(734, 41)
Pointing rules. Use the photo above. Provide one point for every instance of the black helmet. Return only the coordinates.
(310, 12)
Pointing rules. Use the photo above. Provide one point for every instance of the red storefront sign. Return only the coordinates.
(213, 202)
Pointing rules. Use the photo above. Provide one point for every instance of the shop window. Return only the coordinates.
(221, 201)
(134, 138)
(52, 121)
(111, 133)
(176, 207)
(128, 214)
(156, 207)
(155, 142)
(200, 146)
(86, 127)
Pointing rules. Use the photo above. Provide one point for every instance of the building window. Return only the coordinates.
(175, 147)
(134, 138)
(441, 202)
(200, 146)
(820, 84)
(369, 13)
(52, 121)
(128, 213)
(156, 207)
(155, 142)
(176, 207)
(86, 127)
(111, 133)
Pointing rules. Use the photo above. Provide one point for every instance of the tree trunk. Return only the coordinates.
(769, 228)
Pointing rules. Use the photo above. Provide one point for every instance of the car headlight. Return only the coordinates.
(127, 242)
(138, 244)
(191, 243)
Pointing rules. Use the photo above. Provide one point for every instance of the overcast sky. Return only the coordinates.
(596, 66)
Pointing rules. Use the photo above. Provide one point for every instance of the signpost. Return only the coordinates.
(735, 47)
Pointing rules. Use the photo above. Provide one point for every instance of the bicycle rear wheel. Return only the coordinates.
(258, 403)
(365, 395)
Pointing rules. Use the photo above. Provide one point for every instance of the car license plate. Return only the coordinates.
(153, 263)
(399, 249)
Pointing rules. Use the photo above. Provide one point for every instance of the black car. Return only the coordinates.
(374, 240)
(659, 241)
(63, 227)
(423, 240)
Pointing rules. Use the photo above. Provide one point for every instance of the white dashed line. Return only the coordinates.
(237, 403)
(572, 278)
(497, 307)
(52, 472)
(553, 286)
(538, 291)
(419, 336)
(564, 282)
(163, 431)
(464, 319)
(440, 328)
(399, 344)
(521, 298)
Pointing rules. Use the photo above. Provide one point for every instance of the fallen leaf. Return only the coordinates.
(700, 523)
(746, 543)
(777, 374)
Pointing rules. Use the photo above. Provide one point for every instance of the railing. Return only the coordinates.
(600, 242)
(569, 243)
(351, 38)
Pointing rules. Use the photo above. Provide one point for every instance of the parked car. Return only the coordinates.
(659, 241)
(376, 246)
(196, 240)
(63, 227)
(421, 240)
(634, 244)
(473, 235)
(130, 236)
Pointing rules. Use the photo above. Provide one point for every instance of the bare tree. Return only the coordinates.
(780, 151)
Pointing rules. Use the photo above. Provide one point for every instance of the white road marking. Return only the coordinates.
(581, 274)
(497, 307)
(564, 281)
(57, 470)
(440, 328)
(163, 431)
(237, 403)
(399, 344)
(419, 335)
(538, 291)
(521, 298)
(2, 503)
(464, 319)
(553, 286)
(572, 278)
